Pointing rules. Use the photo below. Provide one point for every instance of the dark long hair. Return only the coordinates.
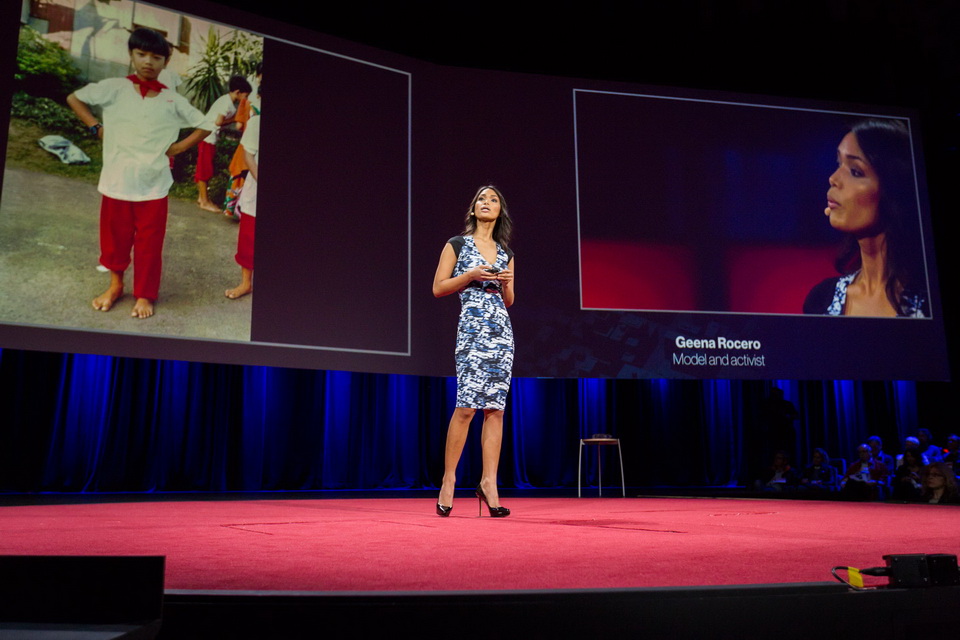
(502, 230)
(917, 456)
(886, 145)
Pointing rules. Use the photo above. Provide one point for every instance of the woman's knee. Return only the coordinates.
(463, 414)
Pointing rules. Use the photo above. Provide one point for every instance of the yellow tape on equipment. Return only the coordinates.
(855, 578)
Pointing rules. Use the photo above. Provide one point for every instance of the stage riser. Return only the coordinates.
(786, 611)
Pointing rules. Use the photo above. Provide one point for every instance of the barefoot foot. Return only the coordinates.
(143, 308)
(209, 206)
(245, 286)
(239, 292)
(105, 300)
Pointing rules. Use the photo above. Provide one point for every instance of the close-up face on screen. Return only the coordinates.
(694, 205)
(309, 185)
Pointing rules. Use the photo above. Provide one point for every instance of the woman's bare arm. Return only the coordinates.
(444, 282)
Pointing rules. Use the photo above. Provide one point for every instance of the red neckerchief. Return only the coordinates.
(146, 86)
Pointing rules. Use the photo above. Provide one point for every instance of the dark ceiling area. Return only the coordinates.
(876, 51)
(888, 52)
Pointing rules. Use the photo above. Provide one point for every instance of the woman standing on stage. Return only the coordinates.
(873, 200)
(479, 266)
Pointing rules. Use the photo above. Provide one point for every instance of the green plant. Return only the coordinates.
(47, 114)
(243, 52)
(43, 67)
(185, 164)
(237, 53)
(204, 83)
(217, 187)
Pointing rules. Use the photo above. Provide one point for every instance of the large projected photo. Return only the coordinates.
(61, 172)
(334, 182)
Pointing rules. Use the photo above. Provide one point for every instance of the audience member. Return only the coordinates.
(911, 443)
(953, 450)
(819, 475)
(779, 476)
(865, 478)
(932, 451)
(876, 445)
(939, 484)
(906, 479)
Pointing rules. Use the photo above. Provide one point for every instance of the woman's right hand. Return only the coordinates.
(480, 273)
(445, 283)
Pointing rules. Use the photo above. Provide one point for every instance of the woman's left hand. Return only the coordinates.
(506, 284)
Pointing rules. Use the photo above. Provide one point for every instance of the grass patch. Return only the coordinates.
(23, 152)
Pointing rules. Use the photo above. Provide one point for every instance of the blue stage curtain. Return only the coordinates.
(85, 423)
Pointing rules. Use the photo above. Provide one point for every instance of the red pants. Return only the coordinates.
(205, 154)
(248, 228)
(140, 226)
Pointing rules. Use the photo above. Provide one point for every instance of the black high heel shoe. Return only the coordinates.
(443, 511)
(495, 512)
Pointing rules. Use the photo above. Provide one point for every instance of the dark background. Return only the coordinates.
(337, 177)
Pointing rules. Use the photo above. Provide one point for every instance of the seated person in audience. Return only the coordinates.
(906, 479)
(865, 478)
(911, 443)
(819, 475)
(876, 445)
(779, 476)
(953, 450)
(939, 484)
(932, 451)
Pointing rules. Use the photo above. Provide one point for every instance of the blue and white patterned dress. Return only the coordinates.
(484, 352)
(830, 297)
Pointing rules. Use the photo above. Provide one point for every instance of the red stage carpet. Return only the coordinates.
(548, 543)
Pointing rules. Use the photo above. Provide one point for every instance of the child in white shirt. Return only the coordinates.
(141, 124)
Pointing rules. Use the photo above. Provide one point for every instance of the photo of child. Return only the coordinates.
(221, 114)
(150, 97)
(247, 207)
(139, 134)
